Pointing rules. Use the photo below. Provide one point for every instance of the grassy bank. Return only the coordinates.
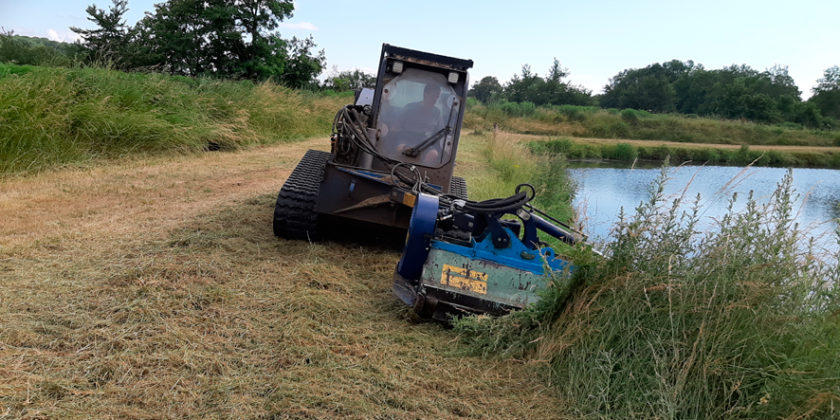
(55, 116)
(511, 163)
(579, 121)
(736, 323)
(744, 155)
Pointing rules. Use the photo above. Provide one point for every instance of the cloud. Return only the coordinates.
(53, 35)
(301, 26)
(67, 36)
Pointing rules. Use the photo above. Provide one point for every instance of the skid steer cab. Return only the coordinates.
(398, 139)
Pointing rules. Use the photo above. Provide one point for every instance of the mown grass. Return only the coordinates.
(580, 121)
(739, 322)
(154, 287)
(625, 152)
(56, 116)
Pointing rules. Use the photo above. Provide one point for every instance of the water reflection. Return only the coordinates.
(603, 191)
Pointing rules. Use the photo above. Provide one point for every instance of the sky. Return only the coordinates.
(594, 39)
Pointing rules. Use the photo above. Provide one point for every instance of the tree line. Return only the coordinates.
(530, 87)
(736, 92)
(234, 39)
(238, 39)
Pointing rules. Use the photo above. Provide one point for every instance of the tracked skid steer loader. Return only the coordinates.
(391, 163)
(396, 138)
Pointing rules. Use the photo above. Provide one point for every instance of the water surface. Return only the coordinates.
(602, 191)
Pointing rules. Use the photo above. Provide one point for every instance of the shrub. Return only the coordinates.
(621, 151)
(629, 116)
(516, 109)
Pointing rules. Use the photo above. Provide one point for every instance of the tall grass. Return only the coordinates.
(55, 116)
(582, 121)
(514, 164)
(626, 152)
(740, 322)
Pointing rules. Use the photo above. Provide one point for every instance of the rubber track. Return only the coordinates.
(458, 187)
(294, 213)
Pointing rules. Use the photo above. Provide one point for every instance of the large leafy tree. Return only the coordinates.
(525, 87)
(559, 92)
(827, 93)
(224, 38)
(349, 80)
(651, 88)
(302, 64)
(731, 92)
(553, 90)
(109, 41)
(486, 89)
(265, 52)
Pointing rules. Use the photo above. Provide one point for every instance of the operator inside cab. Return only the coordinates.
(414, 115)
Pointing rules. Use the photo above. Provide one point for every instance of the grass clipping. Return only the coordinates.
(741, 322)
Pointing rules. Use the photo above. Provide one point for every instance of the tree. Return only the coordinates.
(109, 40)
(19, 49)
(486, 89)
(178, 37)
(302, 65)
(650, 88)
(525, 87)
(555, 87)
(222, 38)
(827, 93)
(731, 92)
(553, 90)
(349, 80)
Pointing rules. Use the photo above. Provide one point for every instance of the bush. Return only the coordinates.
(624, 151)
(629, 116)
(516, 109)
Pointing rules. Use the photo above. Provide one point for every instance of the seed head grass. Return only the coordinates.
(52, 116)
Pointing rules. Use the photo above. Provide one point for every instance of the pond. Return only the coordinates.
(602, 191)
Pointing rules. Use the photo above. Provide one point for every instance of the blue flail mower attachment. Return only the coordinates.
(464, 257)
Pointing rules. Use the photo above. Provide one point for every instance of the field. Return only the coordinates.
(139, 277)
(153, 287)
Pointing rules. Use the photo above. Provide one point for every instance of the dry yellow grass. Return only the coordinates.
(154, 288)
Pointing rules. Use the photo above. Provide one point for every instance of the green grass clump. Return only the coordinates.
(514, 164)
(56, 116)
(741, 322)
